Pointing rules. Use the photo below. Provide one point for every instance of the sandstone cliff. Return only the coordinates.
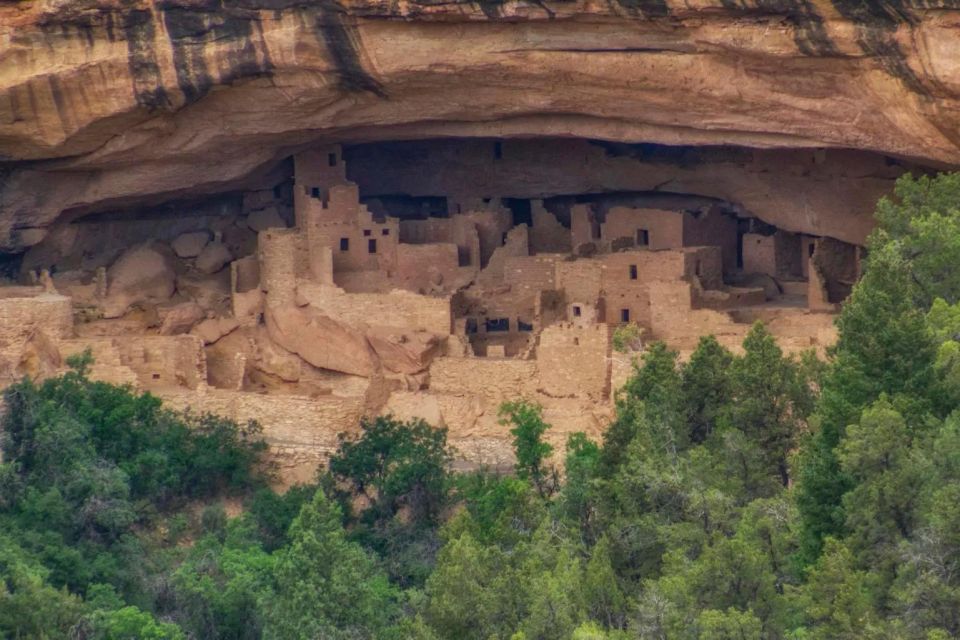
(104, 103)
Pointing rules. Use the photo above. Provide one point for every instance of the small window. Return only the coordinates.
(624, 315)
(471, 325)
(315, 192)
(633, 272)
(156, 376)
(497, 324)
(576, 342)
(643, 238)
(385, 232)
(344, 244)
(371, 246)
(366, 232)
(332, 159)
(523, 326)
(576, 311)
(497, 150)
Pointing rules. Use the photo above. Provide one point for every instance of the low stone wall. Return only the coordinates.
(493, 379)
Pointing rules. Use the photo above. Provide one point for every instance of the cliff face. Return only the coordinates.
(105, 103)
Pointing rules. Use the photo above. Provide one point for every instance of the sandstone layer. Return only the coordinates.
(106, 104)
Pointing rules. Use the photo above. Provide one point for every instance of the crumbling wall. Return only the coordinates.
(575, 361)
(246, 297)
(516, 243)
(547, 235)
(402, 309)
(712, 228)
(837, 263)
(584, 226)
(20, 317)
(165, 361)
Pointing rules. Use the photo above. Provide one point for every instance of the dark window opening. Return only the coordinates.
(366, 232)
(523, 326)
(698, 268)
(372, 246)
(385, 232)
(811, 249)
(344, 244)
(497, 150)
(332, 159)
(156, 376)
(624, 315)
(594, 229)
(643, 238)
(276, 191)
(497, 324)
(520, 210)
(576, 342)
(633, 272)
(471, 325)
(576, 312)
(315, 192)
(463, 256)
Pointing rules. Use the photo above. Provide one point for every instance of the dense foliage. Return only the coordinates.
(744, 496)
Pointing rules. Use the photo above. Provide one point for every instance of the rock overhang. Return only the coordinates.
(165, 100)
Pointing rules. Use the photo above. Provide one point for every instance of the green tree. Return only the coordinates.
(531, 451)
(395, 464)
(884, 346)
(605, 600)
(836, 601)
(578, 498)
(29, 606)
(922, 224)
(651, 395)
(771, 400)
(325, 586)
(129, 623)
(706, 387)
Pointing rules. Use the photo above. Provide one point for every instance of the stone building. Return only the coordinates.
(311, 307)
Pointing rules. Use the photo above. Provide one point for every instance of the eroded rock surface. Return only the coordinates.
(104, 103)
(142, 274)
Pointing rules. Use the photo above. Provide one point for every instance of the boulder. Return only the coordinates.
(212, 329)
(263, 219)
(141, 274)
(189, 245)
(179, 318)
(321, 340)
(214, 257)
(276, 361)
(209, 291)
(404, 351)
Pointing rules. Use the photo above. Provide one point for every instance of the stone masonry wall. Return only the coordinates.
(20, 317)
(574, 361)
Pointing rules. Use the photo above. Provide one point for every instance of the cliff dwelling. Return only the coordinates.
(438, 278)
